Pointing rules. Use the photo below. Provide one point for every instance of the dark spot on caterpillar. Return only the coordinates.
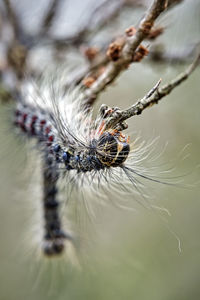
(42, 122)
(47, 130)
(17, 113)
(77, 158)
(34, 118)
(24, 117)
(51, 138)
(97, 164)
(56, 148)
(53, 247)
(68, 167)
(32, 125)
(57, 234)
(52, 204)
(66, 157)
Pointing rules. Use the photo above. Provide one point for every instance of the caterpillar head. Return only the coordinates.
(112, 148)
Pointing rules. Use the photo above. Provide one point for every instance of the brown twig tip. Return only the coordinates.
(140, 53)
(155, 10)
(155, 32)
(91, 52)
(88, 81)
(146, 28)
(115, 49)
(155, 88)
(130, 31)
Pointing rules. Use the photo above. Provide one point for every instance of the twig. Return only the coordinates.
(101, 16)
(172, 3)
(151, 98)
(114, 68)
(49, 16)
(18, 32)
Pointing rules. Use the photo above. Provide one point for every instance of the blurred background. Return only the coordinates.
(122, 254)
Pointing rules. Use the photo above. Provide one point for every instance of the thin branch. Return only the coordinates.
(105, 13)
(172, 3)
(114, 68)
(18, 32)
(151, 98)
(49, 16)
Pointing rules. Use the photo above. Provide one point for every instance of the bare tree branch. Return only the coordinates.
(114, 68)
(151, 98)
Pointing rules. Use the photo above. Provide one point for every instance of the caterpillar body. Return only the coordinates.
(70, 140)
(81, 148)
(110, 149)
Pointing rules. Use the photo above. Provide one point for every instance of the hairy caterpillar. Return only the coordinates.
(74, 144)
(70, 142)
